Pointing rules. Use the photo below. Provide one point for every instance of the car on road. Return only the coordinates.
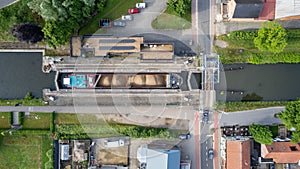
(210, 154)
(141, 5)
(184, 136)
(119, 23)
(205, 116)
(127, 17)
(133, 11)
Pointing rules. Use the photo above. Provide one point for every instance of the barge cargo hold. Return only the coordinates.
(117, 81)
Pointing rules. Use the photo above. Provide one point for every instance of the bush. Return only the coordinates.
(242, 35)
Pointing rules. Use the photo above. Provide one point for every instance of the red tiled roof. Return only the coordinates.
(268, 10)
(238, 154)
(281, 152)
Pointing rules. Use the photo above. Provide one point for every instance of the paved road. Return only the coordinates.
(4, 3)
(205, 162)
(260, 116)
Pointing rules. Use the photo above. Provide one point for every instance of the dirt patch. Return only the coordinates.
(113, 156)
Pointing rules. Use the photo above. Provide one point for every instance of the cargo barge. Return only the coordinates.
(117, 81)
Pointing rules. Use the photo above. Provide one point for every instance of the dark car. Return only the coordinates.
(272, 166)
(210, 154)
(205, 116)
(184, 136)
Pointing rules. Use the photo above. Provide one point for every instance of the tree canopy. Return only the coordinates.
(261, 134)
(271, 37)
(179, 6)
(62, 17)
(291, 119)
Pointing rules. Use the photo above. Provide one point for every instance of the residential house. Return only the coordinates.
(282, 152)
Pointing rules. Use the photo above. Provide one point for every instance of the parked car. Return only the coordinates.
(104, 23)
(133, 11)
(184, 136)
(210, 154)
(141, 5)
(127, 17)
(119, 23)
(272, 166)
(205, 116)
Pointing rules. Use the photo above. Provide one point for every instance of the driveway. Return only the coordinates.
(4, 3)
(260, 116)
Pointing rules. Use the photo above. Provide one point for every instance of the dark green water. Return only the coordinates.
(21, 73)
(278, 82)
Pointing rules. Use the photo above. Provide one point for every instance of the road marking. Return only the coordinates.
(206, 158)
(206, 164)
(206, 147)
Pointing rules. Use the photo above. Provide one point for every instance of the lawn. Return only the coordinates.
(37, 121)
(113, 10)
(244, 51)
(5, 120)
(20, 152)
(171, 20)
(168, 21)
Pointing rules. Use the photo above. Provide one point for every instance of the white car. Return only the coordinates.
(127, 17)
(141, 5)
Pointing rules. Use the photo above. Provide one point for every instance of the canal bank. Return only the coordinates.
(22, 73)
(276, 82)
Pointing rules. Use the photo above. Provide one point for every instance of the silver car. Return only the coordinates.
(211, 153)
(127, 17)
(119, 23)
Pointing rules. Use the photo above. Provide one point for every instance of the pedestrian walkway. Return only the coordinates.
(4, 3)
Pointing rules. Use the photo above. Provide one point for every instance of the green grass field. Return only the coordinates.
(37, 121)
(113, 10)
(33, 102)
(20, 152)
(171, 20)
(5, 120)
(168, 21)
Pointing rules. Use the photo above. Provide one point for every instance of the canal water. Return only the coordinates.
(278, 82)
(21, 72)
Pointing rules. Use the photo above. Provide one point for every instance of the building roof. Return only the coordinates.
(287, 8)
(162, 159)
(247, 9)
(281, 152)
(238, 154)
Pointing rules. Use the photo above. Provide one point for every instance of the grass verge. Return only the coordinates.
(5, 120)
(168, 21)
(113, 10)
(240, 106)
(171, 20)
(23, 102)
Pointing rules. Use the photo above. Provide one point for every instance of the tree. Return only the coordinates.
(271, 37)
(28, 96)
(291, 119)
(261, 134)
(179, 6)
(28, 32)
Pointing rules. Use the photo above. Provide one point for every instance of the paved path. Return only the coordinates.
(260, 116)
(176, 112)
(4, 3)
